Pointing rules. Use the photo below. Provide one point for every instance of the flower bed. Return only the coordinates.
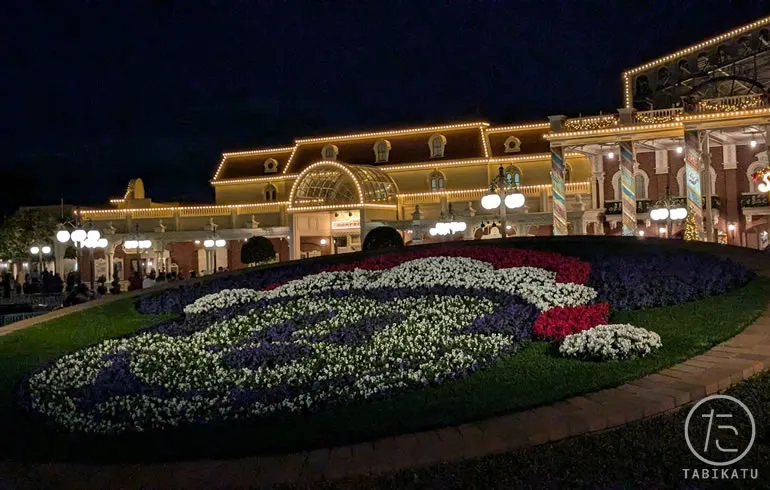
(326, 338)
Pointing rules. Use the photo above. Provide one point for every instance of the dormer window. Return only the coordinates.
(330, 152)
(437, 181)
(271, 166)
(381, 151)
(437, 144)
(512, 144)
(271, 193)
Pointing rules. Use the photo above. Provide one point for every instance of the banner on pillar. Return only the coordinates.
(628, 187)
(692, 176)
(558, 191)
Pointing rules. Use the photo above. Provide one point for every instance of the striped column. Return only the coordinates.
(558, 191)
(692, 175)
(628, 189)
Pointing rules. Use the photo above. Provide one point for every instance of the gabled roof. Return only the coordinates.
(530, 137)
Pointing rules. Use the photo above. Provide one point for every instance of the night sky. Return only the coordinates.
(95, 93)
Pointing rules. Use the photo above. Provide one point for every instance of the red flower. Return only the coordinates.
(557, 323)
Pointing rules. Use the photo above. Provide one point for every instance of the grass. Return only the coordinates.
(530, 378)
(650, 453)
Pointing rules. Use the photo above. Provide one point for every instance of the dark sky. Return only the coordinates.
(93, 93)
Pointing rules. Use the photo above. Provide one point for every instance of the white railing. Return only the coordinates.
(731, 103)
(17, 317)
(657, 116)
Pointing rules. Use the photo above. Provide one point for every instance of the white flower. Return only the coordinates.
(609, 342)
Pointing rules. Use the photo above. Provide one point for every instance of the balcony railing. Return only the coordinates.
(657, 116)
(588, 123)
(732, 103)
(754, 200)
(643, 206)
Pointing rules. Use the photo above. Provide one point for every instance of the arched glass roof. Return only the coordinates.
(330, 183)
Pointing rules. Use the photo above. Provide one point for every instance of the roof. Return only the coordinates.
(530, 138)
(251, 163)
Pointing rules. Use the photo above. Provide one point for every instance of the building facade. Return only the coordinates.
(693, 126)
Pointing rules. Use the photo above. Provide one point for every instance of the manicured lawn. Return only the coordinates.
(532, 377)
(650, 453)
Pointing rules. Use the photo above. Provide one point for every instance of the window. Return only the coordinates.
(381, 151)
(641, 185)
(271, 193)
(567, 173)
(437, 143)
(513, 176)
(640, 189)
(437, 181)
(683, 187)
(330, 152)
(271, 166)
(512, 144)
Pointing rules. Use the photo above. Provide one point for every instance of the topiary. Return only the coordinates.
(257, 249)
(383, 237)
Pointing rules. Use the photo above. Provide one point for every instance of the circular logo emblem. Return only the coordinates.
(715, 430)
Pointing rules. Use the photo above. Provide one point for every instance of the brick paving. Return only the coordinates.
(728, 363)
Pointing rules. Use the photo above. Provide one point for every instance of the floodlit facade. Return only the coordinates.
(693, 122)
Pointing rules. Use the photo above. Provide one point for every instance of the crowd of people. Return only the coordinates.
(45, 283)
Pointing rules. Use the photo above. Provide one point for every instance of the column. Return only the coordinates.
(362, 225)
(708, 219)
(730, 199)
(293, 240)
(597, 181)
(628, 189)
(558, 191)
(692, 173)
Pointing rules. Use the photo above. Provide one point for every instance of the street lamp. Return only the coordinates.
(40, 251)
(668, 210)
(502, 192)
(214, 243)
(731, 229)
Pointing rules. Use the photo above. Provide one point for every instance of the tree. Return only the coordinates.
(690, 228)
(25, 228)
(383, 237)
(257, 249)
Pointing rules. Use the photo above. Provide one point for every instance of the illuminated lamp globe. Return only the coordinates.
(131, 244)
(679, 150)
(515, 200)
(208, 243)
(62, 236)
(220, 243)
(93, 235)
(323, 241)
(46, 250)
(78, 235)
(490, 201)
(659, 214)
(433, 232)
(678, 213)
(460, 226)
(145, 244)
(88, 243)
(102, 243)
(34, 250)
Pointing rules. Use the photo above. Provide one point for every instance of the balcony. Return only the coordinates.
(754, 200)
(590, 123)
(729, 104)
(643, 206)
(657, 116)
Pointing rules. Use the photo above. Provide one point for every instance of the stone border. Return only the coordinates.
(728, 363)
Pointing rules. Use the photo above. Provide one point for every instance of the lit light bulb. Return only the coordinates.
(34, 250)
(63, 236)
(323, 241)
(220, 243)
(208, 243)
(661, 230)
(641, 232)
(679, 150)
(611, 155)
(46, 250)
(753, 143)
(490, 201)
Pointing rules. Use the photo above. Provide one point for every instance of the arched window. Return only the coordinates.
(641, 185)
(381, 151)
(271, 193)
(437, 144)
(683, 186)
(758, 164)
(513, 175)
(567, 173)
(437, 181)
(330, 152)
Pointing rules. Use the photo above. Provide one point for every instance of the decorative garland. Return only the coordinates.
(588, 124)
(743, 104)
(764, 176)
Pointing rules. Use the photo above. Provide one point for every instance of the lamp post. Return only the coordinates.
(448, 226)
(502, 194)
(40, 250)
(212, 244)
(668, 210)
(81, 238)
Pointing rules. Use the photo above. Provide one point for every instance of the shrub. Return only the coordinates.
(257, 249)
(383, 237)
(610, 342)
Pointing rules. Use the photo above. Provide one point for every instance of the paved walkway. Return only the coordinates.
(728, 363)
